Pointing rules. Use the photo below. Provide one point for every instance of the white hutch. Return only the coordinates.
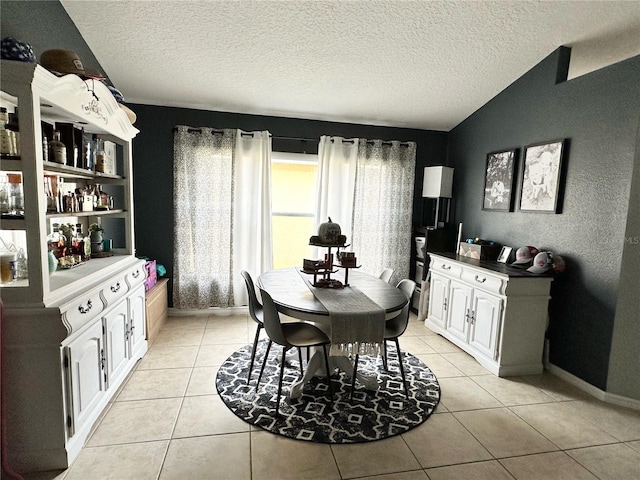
(495, 312)
(69, 338)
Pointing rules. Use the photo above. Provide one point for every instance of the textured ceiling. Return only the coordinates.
(417, 64)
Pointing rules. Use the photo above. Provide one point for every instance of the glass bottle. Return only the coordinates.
(45, 148)
(88, 199)
(101, 158)
(14, 130)
(6, 142)
(16, 195)
(57, 149)
(56, 241)
(4, 194)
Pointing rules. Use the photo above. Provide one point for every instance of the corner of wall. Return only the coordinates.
(564, 61)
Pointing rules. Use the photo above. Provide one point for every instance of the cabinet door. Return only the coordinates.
(117, 342)
(86, 376)
(485, 323)
(459, 310)
(438, 300)
(137, 324)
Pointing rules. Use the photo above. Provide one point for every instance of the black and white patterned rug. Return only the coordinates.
(373, 415)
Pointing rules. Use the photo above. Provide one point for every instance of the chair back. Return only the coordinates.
(272, 320)
(255, 309)
(408, 287)
(399, 323)
(386, 274)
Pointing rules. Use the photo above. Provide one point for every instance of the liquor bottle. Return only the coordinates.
(51, 198)
(88, 199)
(104, 200)
(56, 241)
(101, 158)
(16, 195)
(83, 243)
(4, 194)
(14, 129)
(6, 141)
(78, 243)
(57, 149)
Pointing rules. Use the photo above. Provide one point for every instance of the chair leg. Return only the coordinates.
(253, 353)
(264, 362)
(284, 356)
(300, 359)
(326, 364)
(384, 356)
(353, 377)
(404, 379)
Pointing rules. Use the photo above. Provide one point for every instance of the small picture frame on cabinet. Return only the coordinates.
(505, 254)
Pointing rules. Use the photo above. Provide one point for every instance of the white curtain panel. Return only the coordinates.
(202, 194)
(383, 205)
(337, 160)
(252, 229)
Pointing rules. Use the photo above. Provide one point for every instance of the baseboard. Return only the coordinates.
(178, 312)
(592, 390)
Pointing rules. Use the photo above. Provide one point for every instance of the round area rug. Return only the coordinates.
(373, 415)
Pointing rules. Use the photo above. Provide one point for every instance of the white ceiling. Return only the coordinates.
(417, 64)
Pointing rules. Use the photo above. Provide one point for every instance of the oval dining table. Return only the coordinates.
(293, 297)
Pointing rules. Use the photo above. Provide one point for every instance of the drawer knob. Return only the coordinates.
(446, 267)
(86, 309)
(480, 280)
(136, 274)
(115, 288)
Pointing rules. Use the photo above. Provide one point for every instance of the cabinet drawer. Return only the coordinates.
(82, 309)
(451, 269)
(115, 290)
(483, 281)
(136, 275)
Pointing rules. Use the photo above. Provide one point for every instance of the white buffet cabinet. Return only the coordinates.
(495, 312)
(69, 338)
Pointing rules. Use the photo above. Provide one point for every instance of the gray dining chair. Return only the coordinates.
(393, 329)
(256, 312)
(289, 335)
(386, 275)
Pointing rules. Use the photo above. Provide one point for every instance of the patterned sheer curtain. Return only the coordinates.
(203, 207)
(383, 204)
(222, 214)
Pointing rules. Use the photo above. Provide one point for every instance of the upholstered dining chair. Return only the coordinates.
(288, 335)
(386, 275)
(256, 313)
(393, 329)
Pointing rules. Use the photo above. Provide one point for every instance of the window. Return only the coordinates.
(293, 200)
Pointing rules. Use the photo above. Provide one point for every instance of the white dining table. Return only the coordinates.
(292, 293)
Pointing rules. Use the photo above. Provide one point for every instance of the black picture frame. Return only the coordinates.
(499, 180)
(542, 177)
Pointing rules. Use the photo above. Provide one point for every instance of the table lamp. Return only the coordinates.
(438, 183)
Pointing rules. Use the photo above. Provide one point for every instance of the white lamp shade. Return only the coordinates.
(438, 182)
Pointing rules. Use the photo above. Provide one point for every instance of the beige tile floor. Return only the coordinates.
(167, 422)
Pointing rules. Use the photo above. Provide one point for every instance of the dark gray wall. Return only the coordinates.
(45, 26)
(598, 114)
(153, 160)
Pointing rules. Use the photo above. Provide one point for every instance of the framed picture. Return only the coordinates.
(499, 181)
(505, 253)
(541, 177)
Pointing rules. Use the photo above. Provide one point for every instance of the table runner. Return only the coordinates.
(357, 322)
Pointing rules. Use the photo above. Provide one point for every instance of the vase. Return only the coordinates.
(53, 262)
(96, 242)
